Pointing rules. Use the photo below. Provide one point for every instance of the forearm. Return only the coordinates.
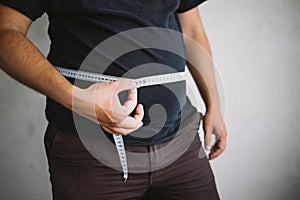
(199, 62)
(22, 61)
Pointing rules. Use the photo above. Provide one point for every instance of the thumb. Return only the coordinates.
(123, 84)
(207, 137)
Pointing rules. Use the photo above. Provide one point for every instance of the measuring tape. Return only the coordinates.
(140, 82)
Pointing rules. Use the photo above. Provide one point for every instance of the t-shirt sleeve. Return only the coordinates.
(31, 8)
(186, 5)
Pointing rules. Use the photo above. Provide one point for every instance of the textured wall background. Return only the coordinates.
(256, 50)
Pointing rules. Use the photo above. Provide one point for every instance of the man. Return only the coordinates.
(76, 28)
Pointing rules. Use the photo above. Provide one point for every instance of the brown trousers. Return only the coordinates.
(76, 175)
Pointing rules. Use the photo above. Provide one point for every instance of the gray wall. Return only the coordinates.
(23, 167)
(257, 54)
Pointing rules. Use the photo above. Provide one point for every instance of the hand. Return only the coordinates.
(100, 103)
(213, 123)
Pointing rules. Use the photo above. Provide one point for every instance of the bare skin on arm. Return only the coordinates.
(20, 59)
(203, 74)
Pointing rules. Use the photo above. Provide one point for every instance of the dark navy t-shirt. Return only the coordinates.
(78, 26)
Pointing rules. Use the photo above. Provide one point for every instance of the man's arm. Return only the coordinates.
(23, 61)
(199, 62)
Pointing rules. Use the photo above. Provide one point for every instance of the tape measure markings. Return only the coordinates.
(140, 82)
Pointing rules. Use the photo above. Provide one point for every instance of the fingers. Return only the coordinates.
(220, 145)
(124, 84)
(129, 124)
(207, 141)
(117, 118)
(214, 126)
(208, 137)
(129, 85)
(133, 122)
(131, 102)
(139, 113)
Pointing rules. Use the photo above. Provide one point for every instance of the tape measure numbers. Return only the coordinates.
(140, 82)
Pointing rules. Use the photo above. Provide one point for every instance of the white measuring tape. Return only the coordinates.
(140, 82)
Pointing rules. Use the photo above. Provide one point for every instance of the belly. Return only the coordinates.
(162, 103)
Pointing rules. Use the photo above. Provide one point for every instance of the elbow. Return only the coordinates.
(195, 33)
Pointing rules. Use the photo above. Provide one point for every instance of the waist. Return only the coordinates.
(63, 119)
(163, 93)
(163, 102)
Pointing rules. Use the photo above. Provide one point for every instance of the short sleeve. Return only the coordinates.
(33, 9)
(186, 5)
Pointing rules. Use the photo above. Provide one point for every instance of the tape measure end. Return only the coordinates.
(125, 179)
